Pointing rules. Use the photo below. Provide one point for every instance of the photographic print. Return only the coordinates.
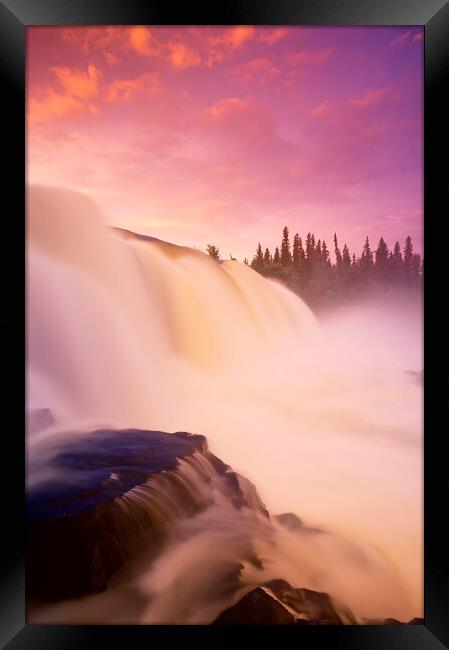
(224, 325)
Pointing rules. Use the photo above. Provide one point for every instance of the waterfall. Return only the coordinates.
(128, 331)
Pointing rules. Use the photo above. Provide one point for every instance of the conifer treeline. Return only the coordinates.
(306, 267)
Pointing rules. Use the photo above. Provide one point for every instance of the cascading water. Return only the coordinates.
(125, 331)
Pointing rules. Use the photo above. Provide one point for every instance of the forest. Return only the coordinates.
(305, 266)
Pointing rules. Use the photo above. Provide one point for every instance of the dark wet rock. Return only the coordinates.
(89, 470)
(392, 621)
(314, 621)
(102, 506)
(39, 419)
(293, 522)
(311, 605)
(278, 603)
(256, 608)
(289, 520)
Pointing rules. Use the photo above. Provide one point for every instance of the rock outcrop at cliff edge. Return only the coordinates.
(277, 602)
(106, 504)
(110, 497)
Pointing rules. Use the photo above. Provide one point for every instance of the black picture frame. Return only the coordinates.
(15, 16)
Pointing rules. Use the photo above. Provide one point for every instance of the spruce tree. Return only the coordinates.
(407, 260)
(267, 257)
(297, 253)
(397, 255)
(276, 256)
(366, 260)
(338, 257)
(408, 251)
(325, 254)
(257, 262)
(415, 268)
(346, 259)
(382, 265)
(286, 258)
(213, 251)
(397, 265)
(310, 242)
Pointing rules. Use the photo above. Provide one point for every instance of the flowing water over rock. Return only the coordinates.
(125, 332)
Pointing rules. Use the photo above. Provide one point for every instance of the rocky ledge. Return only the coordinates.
(107, 498)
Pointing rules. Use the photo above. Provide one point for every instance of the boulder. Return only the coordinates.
(39, 419)
(256, 608)
(293, 522)
(311, 605)
(110, 498)
(278, 603)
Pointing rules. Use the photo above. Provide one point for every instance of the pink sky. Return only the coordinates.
(203, 135)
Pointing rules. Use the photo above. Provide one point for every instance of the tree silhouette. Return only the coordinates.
(213, 251)
(310, 244)
(338, 257)
(297, 253)
(408, 260)
(382, 263)
(313, 276)
(346, 259)
(257, 262)
(325, 254)
(366, 260)
(286, 258)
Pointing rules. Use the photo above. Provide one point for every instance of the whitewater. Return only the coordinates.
(322, 415)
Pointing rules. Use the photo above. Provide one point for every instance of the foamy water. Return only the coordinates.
(320, 415)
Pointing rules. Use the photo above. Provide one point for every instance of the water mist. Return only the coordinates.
(323, 415)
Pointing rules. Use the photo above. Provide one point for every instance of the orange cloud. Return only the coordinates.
(142, 41)
(310, 56)
(371, 98)
(231, 39)
(261, 70)
(243, 126)
(237, 36)
(273, 36)
(226, 107)
(322, 109)
(111, 58)
(181, 56)
(122, 90)
(54, 105)
(77, 83)
(78, 90)
(91, 38)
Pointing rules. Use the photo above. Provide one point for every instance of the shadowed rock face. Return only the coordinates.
(280, 603)
(93, 469)
(39, 419)
(110, 497)
(256, 608)
(311, 605)
(110, 502)
(293, 522)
